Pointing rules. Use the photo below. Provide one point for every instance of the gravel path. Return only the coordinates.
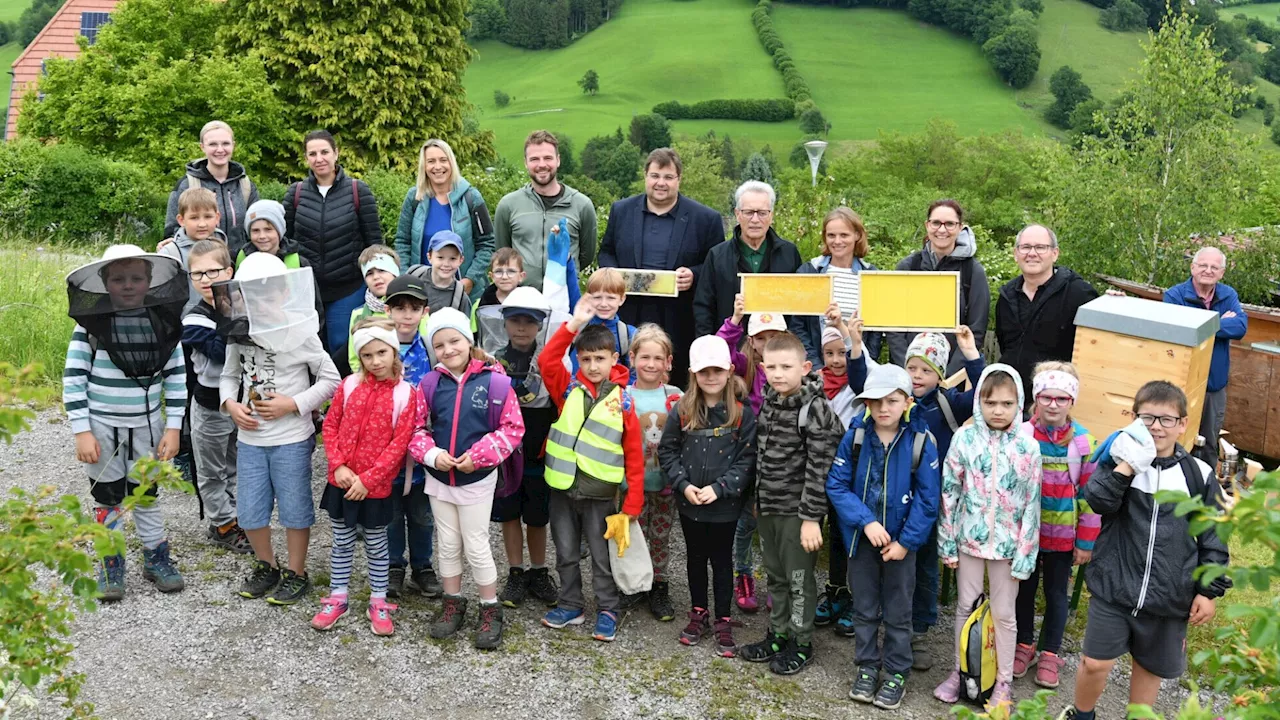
(206, 653)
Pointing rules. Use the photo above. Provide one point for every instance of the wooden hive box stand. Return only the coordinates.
(1123, 342)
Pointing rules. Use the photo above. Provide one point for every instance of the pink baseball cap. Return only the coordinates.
(709, 351)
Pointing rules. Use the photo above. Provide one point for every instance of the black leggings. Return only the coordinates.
(838, 551)
(708, 541)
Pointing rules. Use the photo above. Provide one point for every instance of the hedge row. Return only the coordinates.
(777, 110)
(762, 18)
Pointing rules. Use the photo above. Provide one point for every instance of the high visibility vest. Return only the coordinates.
(586, 437)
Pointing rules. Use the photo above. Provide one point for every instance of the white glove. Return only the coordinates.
(1134, 446)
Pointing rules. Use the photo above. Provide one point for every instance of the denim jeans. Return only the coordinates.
(411, 515)
(924, 603)
(278, 476)
(743, 562)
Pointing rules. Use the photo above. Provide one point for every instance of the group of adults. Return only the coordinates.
(332, 217)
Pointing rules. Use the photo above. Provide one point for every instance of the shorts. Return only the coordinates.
(118, 449)
(1158, 644)
(531, 503)
(278, 476)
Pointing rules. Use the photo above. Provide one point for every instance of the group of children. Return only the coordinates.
(457, 416)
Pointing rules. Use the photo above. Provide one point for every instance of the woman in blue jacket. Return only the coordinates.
(843, 246)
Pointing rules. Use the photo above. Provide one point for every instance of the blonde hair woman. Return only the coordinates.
(234, 191)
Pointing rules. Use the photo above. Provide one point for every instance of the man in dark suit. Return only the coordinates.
(663, 230)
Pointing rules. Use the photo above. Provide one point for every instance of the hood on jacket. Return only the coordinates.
(822, 262)
(460, 190)
(966, 247)
(912, 419)
(980, 421)
(184, 241)
(810, 389)
(619, 375)
(200, 169)
(564, 200)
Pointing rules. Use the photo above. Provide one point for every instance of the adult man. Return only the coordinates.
(663, 230)
(754, 248)
(1206, 290)
(1036, 311)
(526, 216)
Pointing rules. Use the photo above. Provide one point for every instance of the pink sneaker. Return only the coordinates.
(1024, 656)
(332, 609)
(745, 591)
(1001, 695)
(380, 617)
(949, 691)
(1047, 673)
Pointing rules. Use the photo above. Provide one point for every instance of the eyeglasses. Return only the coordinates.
(762, 214)
(505, 272)
(1034, 249)
(1166, 421)
(1050, 401)
(666, 178)
(949, 224)
(1206, 266)
(201, 275)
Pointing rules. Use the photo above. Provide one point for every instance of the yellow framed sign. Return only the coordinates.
(901, 301)
(653, 283)
(786, 293)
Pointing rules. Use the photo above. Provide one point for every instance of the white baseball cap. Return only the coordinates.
(709, 351)
(760, 322)
(883, 380)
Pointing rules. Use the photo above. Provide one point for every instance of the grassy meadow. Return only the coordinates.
(1070, 35)
(34, 326)
(1268, 12)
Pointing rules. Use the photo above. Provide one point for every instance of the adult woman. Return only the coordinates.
(234, 191)
(333, 217)
(843, 247)
(950, 246)
(443, 200)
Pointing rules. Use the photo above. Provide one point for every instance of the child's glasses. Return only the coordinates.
(1051, 401)
(1166, 421)
(504, 272)
(201, 275)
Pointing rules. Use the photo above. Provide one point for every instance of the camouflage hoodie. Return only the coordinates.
(792, 461)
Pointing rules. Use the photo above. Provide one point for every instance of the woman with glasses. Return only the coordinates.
(949, 245)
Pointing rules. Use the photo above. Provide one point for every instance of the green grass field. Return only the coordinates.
(1070, 35)
(1269, 12)
(8, 53)
(10, 10)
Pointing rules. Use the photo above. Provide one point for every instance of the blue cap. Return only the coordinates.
(443, 238)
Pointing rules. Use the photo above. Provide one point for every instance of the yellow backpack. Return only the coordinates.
(978, 653)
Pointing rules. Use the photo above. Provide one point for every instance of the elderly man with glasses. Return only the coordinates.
(1205, 290)
(1036, 311)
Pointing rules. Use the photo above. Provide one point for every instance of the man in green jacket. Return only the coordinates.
(526, 216)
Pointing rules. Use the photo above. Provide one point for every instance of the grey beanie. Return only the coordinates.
(269, 210)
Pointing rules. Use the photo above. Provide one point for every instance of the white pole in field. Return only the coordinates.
(815, 148)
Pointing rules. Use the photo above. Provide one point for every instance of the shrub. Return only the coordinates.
(650, 131)
(390, 188)
(812, 122)
(1015, 55)
(1123, 16)
(757, 168)
(6, 33)
(501, 99)
(776, 110)
(1068, 91)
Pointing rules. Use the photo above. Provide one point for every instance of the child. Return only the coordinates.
(884, 486)
(266, 227)
(1141, 580)
(990, 521)
(607, 290)
(444, 288)
(597, 414)
(507, 271)
(198, 220)
(835, 603)
(410, 507)
(462, 450)
(1068, 527)
(797, 437)
(651, 358)
(708, 452)
(380, 265)
(213, 434)
(366, 436)
(273, 379)
(123, 355)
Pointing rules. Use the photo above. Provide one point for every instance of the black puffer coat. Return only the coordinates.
(700, 458)
(332, 230)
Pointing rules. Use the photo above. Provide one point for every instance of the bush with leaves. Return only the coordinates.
(648, 132)
(774, 110)
(1015, 52)
(1123, 16)
(501, 99)
(1069, 91)
(488, 19)
(590, 82)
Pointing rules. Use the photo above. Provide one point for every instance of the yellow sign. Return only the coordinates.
(657, 283)
(786, 293)
(909, 301)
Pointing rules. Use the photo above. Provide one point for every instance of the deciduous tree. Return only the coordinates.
(590, 82)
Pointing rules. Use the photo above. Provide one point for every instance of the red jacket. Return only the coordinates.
(557, 379)
(358, 433)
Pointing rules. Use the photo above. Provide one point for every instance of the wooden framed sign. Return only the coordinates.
(653, 283)
(901, 301)
(786, 293)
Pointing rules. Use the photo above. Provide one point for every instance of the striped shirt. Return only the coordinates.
(1066, 520)
(96, 387)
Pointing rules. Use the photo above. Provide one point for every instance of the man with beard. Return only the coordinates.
(526, 216)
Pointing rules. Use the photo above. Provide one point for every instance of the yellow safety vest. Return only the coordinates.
(586, 438)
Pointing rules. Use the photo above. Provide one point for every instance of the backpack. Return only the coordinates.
(246, 187)
(978, 653)
(917, 447)
(399, 401)
(297, 194)
(511, 470)
(916, 264)
(945, 406)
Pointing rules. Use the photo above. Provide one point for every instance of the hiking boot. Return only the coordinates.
(1048, 669)
(332, 609)
(513, 593)
(765, 650)
(380, 617)
(831, 604)
(263, 578)
(949, 690)
(560, 617)
(158, 567)
(630, 602)
(744, 591)
(542, 587)
(452, 614)
(699, 625)
(844, 621)
(427, 582)
(1024, 656)
(231, 537)
(891, 692)
(921, 659)
(606, 626)
(725, 645)
(395, 582)
(292, 588)
(660, 602)
(489, 637)
(111, 579)
(864, 687)
(1001, 695)
(792, 660)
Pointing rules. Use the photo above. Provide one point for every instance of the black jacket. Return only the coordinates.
(234, 196)
(331, 232)
(718, 283)
(697, 229)
(700, 458)
(1048, 331)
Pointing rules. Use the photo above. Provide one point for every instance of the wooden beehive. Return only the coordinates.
(1123, 343)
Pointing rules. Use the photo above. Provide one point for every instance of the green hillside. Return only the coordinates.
(1269, 12)
(1070, 35)
(10, 11)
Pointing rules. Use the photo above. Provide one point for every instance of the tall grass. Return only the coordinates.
(34, 326)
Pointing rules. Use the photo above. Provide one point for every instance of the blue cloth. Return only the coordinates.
(468, 408)
(1224, 299)
(439, 217)
(416, 360)
(411, 513)
(279, 477)
(337, 318)
(961, 401)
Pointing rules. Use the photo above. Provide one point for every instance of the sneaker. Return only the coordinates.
(792, 660)
(427, 582)
(380, 617)
(891, 692)
(263, 578)
(630, 602)
(489, 637)
(606, 626)
(560, 617)
(833, 603)
(1001, 695)
(1024, 656)
(699, 625)
(543, 587)
(395, 582)
(725, 645)
(158, 567)
(111, 579)
(765, 650)
(452, 614)
(864, 687)
(844, 621)
(517, 586)
(1068, 713)
(949, 691)
(231, 537)
(660, 602)
(292, 588)
(1047, 672)
(921, 658)
(744, 590)
(332, 609)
